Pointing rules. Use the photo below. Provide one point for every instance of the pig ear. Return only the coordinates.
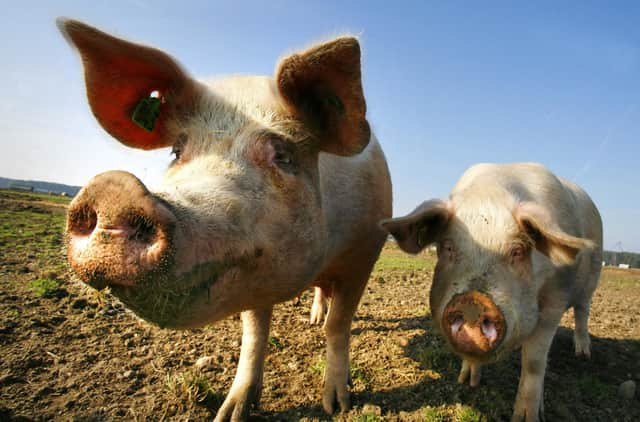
(548, 238)
(421, 227)
(322, 87)
(119, 75)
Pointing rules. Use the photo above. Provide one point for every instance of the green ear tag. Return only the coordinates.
(335, 102)
(146, 113)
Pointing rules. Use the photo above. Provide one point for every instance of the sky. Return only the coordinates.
(447, 84)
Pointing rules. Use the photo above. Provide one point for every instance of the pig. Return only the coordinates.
(516, 246)
(277, 184)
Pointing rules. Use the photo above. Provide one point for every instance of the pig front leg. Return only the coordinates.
(344, 301)
(470, 368)
(247, 384)
(529, 404)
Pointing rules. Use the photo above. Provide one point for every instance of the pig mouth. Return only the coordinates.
(173, 301)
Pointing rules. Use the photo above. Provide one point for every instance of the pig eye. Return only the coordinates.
(517, 253)
(284, 156)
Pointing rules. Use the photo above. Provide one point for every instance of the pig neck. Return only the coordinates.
(356, 194)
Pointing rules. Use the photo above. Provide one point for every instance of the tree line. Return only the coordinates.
(617, 258)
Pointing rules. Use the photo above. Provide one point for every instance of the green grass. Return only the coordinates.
(44, 287)
(275, 343)
(13, 313)
(368, 418)
(438, 358)
(433, 414)
(33, 231)
(359, 375)
(32, 196)
(393, 261)
(193, 388)
(468, 414)
(593, 389)
(318, 367)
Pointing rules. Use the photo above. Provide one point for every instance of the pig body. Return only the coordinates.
(517, 246)
(277, 184)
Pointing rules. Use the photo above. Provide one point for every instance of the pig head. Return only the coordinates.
(274, 183)
(516, 247)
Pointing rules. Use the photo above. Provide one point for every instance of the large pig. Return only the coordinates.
(277, 184)
(517, 246)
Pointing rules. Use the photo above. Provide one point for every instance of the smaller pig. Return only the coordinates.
(517, 246)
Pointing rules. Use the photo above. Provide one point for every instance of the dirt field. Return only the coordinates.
(70, 353)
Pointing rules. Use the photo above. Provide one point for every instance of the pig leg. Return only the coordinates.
(581, 334)
(247, 384)
(529, 404)
(338, 330)
(319, 307)
(582, 306)
(472, 368)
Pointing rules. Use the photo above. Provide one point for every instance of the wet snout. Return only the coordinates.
(117, 232)
(473, 323)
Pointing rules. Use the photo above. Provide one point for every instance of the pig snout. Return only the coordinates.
(473, 323)
(117, 232)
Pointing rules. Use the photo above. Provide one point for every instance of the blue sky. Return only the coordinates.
(448, 84)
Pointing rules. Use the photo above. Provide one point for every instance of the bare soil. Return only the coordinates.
(71, 353)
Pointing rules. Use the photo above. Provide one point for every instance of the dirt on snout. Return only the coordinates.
(71, 353)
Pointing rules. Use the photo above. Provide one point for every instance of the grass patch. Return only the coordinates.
(394, 261)
(193, 388)
(44, 287)
(318, 367)
(593, 389)
(468, 414)
(368, 418)
(275, 343)
(437, 357)
(359, 375)
(433, 414)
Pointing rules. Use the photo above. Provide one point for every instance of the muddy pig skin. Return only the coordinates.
(517, 246)
(277, 184)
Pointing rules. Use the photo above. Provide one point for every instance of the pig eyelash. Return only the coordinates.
(517, 253)
(282, 158)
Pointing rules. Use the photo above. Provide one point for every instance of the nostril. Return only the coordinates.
(143, 229)
(489, 330)
(456, 325)
(82, 221)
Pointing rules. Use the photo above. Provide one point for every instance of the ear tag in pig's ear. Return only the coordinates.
(336, 103)
(146, 113)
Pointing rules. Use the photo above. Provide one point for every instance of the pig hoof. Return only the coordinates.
(335, 394)
(528, 415)
(238, 405)
(583, 347)
(317, 316)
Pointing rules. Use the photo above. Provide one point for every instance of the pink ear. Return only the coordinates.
(118, 74)
(422, 227)
(322, 87)
(549, 239)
